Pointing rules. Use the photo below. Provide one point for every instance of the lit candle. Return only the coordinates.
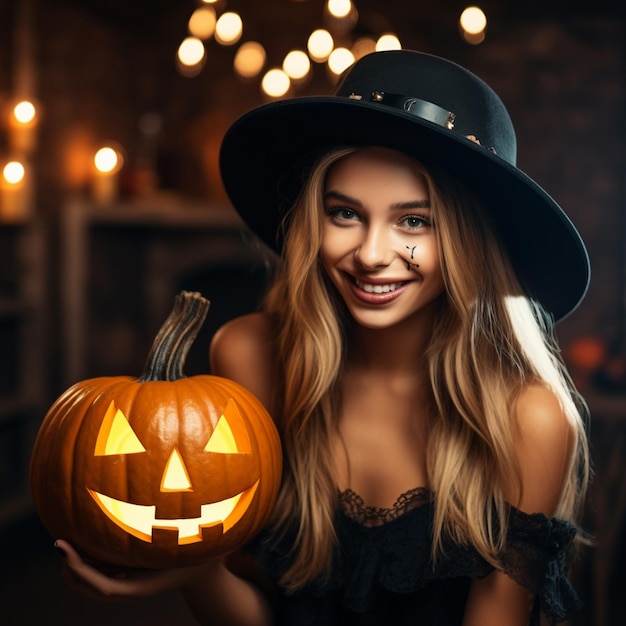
(23, 123)
(108, 162)
(14, 193)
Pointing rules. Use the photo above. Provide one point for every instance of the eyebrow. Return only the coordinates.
(411, 204)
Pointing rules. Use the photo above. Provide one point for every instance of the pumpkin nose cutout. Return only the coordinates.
(175, 476)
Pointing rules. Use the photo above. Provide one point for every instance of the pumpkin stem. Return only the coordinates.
(171, 345)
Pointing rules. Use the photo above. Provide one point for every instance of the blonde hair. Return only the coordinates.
(307, 394)
(489, 342)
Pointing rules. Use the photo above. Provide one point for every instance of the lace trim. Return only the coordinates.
(353, 506)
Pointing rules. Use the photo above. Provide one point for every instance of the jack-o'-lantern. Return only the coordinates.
(159, 471)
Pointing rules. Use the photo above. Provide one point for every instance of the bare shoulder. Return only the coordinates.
(541, 420)
(544, 442)
(241, 350)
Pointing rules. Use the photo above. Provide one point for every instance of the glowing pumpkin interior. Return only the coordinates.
(117, 437)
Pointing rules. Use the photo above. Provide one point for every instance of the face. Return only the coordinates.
(379, 247)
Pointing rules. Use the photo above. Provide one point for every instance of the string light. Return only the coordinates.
(339, 8)
(249, 59)
(229, 28)
(472, 24)
(297, 65)
(320, 45)
(275, 83)
(389, 41)
(340, 17)
(473, 20)
(191, 51)
(363, 46)
(339, 60)
(202, 23)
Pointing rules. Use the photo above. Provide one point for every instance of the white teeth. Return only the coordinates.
(369, 288)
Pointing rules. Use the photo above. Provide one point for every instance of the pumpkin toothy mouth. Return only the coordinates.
(139, 520)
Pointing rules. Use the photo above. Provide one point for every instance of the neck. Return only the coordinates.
(399, 349)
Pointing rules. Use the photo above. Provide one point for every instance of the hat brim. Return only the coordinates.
(266, 154)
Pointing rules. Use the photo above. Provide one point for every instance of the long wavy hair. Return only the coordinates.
(489, 342)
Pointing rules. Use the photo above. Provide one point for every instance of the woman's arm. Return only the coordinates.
(237, 595)
(543, 444)
(214, 594)
(241, 351)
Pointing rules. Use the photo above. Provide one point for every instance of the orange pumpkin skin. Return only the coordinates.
(85, 479)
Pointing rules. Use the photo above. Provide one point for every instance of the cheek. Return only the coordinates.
(435, 267)
(430, 266)
(423, 252)
(336, 244)
(435, 259)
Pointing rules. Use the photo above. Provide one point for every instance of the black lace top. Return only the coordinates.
(383, 574)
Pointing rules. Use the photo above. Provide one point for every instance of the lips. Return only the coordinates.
(377, 288)
(377, 292)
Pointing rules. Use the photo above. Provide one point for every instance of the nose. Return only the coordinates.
(376, 248)
(175, 476)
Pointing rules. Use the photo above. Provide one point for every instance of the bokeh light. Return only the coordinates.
(275, 83)
(249, 59)
(297, 65)
(24, 112)
(108, 160)
(320, 44)
(472, 24)
(202, 23)
(191, 51)
(340, 59)
(229, 28)
(473, 20)
(339, 8)
(388, 41)
(13, 172)
(363, 46)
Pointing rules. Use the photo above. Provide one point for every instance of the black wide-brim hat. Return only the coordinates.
(433, 110)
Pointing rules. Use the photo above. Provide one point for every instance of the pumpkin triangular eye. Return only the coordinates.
(116, 435)
(230, 435)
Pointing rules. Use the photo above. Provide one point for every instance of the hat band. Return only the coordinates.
(414, 106)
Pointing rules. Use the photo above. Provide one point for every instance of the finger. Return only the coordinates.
(67, 551)
(121, 585)
(81, 576)
(76, 561)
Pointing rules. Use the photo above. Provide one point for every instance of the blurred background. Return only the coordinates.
(111, 117)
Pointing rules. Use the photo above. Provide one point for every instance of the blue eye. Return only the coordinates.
(342, 213)
(415, 221)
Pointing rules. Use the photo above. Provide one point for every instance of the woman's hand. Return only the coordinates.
(115, 584)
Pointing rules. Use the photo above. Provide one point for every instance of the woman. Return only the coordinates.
(435, 451)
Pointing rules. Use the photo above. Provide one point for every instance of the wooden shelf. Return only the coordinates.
(120, 271)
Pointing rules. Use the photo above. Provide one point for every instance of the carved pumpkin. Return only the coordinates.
(158, 471)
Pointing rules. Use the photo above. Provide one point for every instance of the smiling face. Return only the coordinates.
(379, 246)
